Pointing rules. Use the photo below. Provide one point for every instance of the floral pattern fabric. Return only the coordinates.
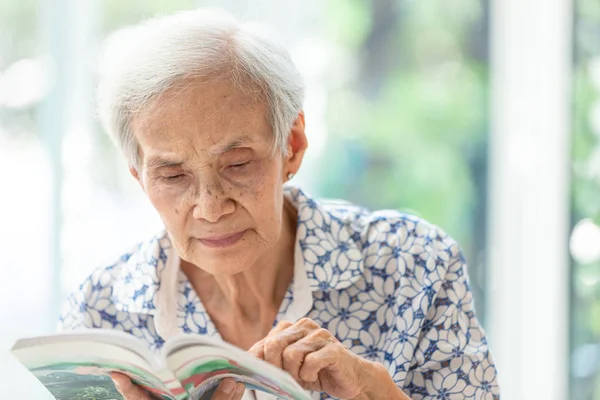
(390, 286)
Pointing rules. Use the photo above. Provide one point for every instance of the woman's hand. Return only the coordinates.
(319, 362)
(228, 389)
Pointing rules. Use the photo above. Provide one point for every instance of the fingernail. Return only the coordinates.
(240, 388)
(229, 386)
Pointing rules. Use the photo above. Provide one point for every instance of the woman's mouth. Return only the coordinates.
(222, 240)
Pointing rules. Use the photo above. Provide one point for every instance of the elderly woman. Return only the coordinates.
(353, 304)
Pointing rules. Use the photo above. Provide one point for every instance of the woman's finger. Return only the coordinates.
(228, 389)
(275, 345)
(281, 325)
(127, 389)
(316, 361)
(258, 349)
(294, 354)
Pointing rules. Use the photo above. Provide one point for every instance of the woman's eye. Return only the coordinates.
(239, 166)
(172, 178)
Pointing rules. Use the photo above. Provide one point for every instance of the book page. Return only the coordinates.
(78, 365)
(200, 363)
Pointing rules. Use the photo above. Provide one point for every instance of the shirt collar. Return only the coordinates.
(326, 245)
(331, 250)
(139, 277)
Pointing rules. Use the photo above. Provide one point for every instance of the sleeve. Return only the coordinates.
(75, 311)
(71, 314)
(452, 358)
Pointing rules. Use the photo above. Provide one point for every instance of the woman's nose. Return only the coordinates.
(212, 203)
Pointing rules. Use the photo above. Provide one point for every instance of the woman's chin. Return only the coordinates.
(226, 262)
(225, 268)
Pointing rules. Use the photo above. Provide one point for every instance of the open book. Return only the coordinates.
(77, 365)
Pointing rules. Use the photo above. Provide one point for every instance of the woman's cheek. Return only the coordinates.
(167, 199)
(258, 174)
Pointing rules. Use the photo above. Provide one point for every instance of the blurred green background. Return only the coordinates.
(585, 192)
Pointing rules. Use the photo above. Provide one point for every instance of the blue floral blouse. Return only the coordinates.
(390, 286)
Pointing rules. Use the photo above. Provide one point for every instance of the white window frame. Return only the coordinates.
(528, 306)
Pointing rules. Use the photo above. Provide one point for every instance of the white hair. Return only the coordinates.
(160, 54)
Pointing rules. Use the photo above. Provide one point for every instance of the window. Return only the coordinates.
(407, 114)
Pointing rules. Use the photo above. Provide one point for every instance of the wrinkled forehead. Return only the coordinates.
(204, 116)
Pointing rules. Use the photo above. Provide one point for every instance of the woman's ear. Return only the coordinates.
(134, 172)
(296, 146)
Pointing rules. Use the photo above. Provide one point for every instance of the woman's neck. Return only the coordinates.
(249, 301)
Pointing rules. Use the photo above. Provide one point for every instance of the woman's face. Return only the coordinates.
(208, 169)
